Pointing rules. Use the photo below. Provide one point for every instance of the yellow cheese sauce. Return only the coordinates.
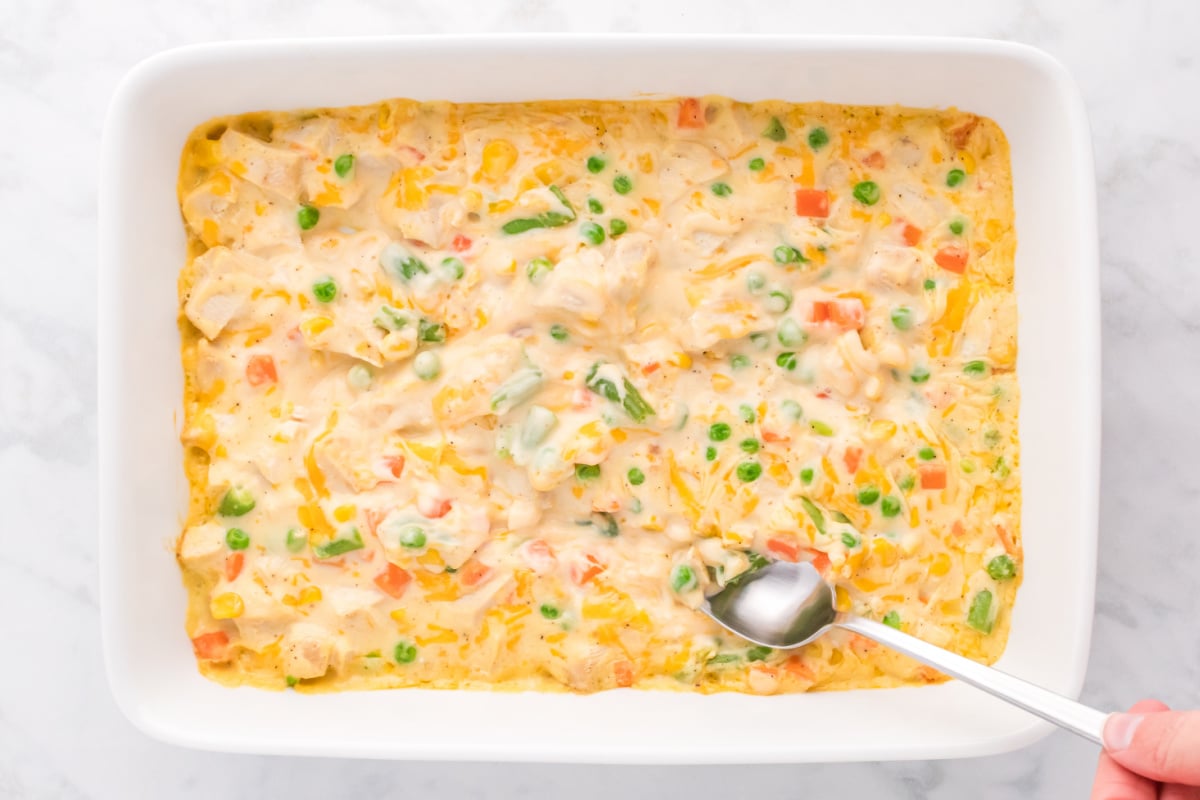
(493, 395)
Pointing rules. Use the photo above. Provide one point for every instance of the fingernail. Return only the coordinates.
(1119, 730)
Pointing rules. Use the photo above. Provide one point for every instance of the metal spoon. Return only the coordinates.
(786, 605)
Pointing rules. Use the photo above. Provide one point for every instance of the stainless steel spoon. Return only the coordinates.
(786, 605)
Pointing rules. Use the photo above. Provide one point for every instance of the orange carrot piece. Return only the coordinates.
(875, 160)
(393, 581)
(933, 476)
(786, 549)
(912, 234)
(395, 465)
(812, 203)
(952, 258)
(260, 370)
(852, 458)
(691, 113)
(847, 314)
(233, 565)
(211, 646)
(461, 243)
(623, 672)
(473, 573)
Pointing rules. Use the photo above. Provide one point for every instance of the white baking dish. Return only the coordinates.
(142, 488)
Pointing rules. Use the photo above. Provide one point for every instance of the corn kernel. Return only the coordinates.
(344, 513)
(499, 156)
(681, 360)
(471, 200)
(315, 326)
(721, 383)
(940, 565)
(885, 551)
(841, 599)
(228, 605)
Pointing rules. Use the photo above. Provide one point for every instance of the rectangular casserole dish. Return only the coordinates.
(143, 491)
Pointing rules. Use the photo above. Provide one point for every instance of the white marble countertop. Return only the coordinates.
(60, 733)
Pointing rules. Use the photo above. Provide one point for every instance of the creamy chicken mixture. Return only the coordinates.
(493, 395)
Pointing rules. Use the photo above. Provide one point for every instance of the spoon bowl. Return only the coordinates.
(786, 605)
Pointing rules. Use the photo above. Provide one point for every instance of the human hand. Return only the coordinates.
(1150, 753)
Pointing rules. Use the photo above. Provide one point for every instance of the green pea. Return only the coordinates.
(405, 653)
(786, 254)
(1002, 568)
(892, 619)
(237, 539)
(719, 431)
(868, 495)
(907, 482)
(622, 184)
(749, 471)
(850, 540)
(636, 476)
(902, 317)
(926, 454)
(760, 340)
(236, 502)
(817, 138)
(779, 300)
(595, 164)
(889, 506)
(954, 177)
(296, 540)
(307, 217)
(595, 206)
(791, 409)
(991, 437)
(919, 375)
(592, 232)
(343, 165)
(739, 361)
(1000, 469)
(820, 428)
(427, 365)
(806, 475)
(291, 680)
(787, 360)
(537, 269)
(721, 189)
(758, 653)
(325, 290)
(968, 466)
(975, 369)
(559, 333)
(549, 611)
(617, 226)
(775, 130)
(746, 412)
(360, 377)
(452, 268)
(956, 227)
(710, 453)
(930, 284)
(683, 579)
(587, 472)
(980, 616)
(755, 282)
(757, 165)
(412, 537)
(867, 193)
(749, 445)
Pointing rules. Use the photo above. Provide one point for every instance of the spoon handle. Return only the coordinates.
(1075, 717)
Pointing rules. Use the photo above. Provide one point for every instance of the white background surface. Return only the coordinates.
(61, 735)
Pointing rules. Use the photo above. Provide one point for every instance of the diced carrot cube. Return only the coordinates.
(623, 672)
(473, 572)
(233, 565)
(786, 549)
(933, 476)
(211, 646)
(812, 203)
(393, 581)
(260, 370)
(852, 458)
(691, 113)
(912, 234)
(952, 258)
